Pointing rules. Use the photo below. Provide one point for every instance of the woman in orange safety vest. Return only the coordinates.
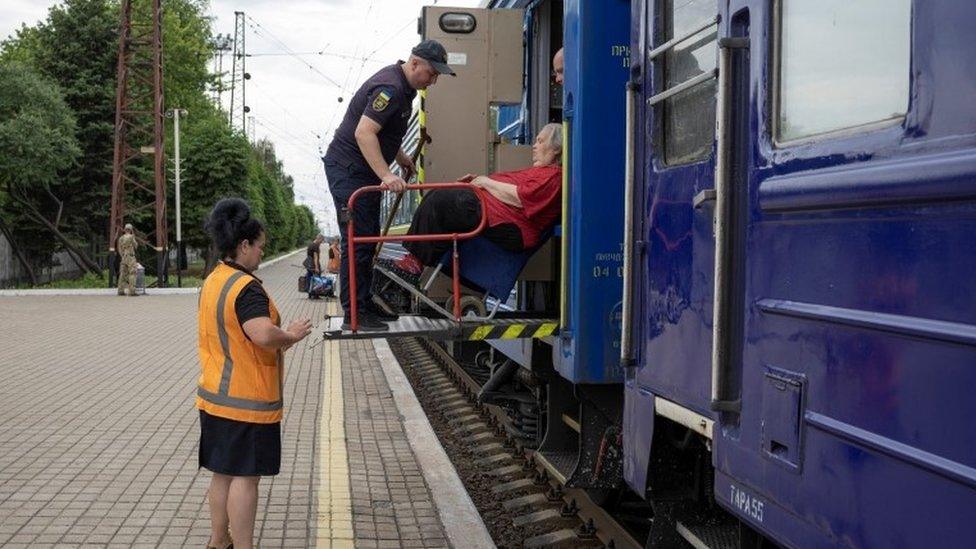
(241, 375)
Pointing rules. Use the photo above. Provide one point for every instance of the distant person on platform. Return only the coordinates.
(558, 67)
(365, 144)
(335, 256)
(127, 247)
(313, 263)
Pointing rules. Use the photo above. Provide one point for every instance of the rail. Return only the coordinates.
(352, 240)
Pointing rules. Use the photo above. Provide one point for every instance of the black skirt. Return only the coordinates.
(239, 449)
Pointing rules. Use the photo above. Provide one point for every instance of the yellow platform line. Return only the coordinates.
(334, 497)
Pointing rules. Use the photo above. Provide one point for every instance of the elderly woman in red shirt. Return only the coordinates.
(521, 205)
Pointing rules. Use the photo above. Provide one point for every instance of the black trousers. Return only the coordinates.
(343, 181)
(454, 211)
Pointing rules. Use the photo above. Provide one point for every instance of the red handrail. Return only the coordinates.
(352, 240)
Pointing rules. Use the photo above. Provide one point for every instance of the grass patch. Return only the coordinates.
(90, 280)
(192, 278)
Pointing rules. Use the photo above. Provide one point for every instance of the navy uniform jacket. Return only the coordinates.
(386, 98)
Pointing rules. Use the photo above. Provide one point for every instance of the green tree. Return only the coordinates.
(276, 212)
(77, 47)
(305, 223)
(187, 48)
(215, 166)
(21, 47)
(277, 197)
(37, 144)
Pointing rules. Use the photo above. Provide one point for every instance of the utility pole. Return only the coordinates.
(180, 250)
(239, 76)
(222, 44)
(139, 130)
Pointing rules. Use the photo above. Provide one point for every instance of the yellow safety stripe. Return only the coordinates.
(422, 119)
(513, 331)
(545, 330)
(481, 332)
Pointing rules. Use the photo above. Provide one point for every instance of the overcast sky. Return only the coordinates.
(294, 105)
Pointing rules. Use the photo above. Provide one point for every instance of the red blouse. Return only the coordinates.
(540, 191)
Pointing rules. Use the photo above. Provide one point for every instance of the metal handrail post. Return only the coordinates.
(422, 140)
(456, 280)
(722, 297)
(352, 240)
(626, 339)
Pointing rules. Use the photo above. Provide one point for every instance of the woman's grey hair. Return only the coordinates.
(554, 136)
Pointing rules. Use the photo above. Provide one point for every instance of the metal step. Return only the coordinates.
(559, 464)
(571, 422)
(710, 532)
(445, 329)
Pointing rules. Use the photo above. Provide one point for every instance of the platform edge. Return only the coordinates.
(462, 523)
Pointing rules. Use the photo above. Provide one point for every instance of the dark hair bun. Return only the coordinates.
(231, 210)
(229, 223)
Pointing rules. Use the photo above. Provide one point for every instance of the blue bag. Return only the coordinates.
(322, 285)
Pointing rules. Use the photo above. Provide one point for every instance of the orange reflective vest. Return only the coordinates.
(238, 379)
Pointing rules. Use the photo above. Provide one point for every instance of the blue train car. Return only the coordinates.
(781, 215)
(801, 341)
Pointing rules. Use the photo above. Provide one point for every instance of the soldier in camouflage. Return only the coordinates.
(127, 269)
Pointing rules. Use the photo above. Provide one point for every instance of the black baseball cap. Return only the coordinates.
(434, 53)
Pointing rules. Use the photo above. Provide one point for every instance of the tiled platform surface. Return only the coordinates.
(99, 435)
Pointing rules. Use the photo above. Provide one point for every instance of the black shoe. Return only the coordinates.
(410, 278)
(367, 323)
(380, 313)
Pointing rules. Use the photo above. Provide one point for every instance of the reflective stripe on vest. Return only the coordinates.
(222, 398)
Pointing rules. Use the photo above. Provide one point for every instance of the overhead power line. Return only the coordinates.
(320, 52)
(290, 139)
(262, 31)
(297, 119)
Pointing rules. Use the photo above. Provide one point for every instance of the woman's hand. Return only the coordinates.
(299, 329)
(467, 178)
(266, 334)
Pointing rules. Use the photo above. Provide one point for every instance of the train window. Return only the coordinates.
(689, 117)
(842, 65)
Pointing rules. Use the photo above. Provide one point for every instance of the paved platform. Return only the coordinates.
(99, 434)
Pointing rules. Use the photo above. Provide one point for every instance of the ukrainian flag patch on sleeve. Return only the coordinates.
(381, 100)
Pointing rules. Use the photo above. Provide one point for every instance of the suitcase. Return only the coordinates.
(303, 284)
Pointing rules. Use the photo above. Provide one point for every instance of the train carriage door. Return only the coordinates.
(484, 47)
(674, 259)
(688, 120)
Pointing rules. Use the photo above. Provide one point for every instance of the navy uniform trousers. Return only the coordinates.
(343, 181)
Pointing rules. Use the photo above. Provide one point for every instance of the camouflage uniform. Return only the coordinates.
(127, 268)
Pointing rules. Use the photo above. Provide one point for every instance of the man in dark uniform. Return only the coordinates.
(365, 144)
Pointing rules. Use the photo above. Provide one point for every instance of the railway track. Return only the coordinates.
(540, 508)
